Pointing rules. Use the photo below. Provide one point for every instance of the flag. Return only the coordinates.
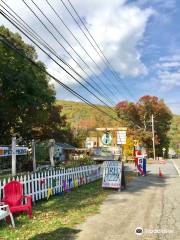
(49, 193)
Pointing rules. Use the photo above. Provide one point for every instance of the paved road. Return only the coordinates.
(167, 169)
(149, 202)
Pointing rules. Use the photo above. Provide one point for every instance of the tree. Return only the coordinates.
(137, 117)
(27, 100)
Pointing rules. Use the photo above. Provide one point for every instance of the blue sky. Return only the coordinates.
(140, 38)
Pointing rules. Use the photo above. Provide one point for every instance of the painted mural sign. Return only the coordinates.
(112, 171)
(106, 138)
(7, 151)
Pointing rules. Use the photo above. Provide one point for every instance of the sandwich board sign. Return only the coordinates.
(112, 172)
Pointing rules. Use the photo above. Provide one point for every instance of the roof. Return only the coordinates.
(65, 145)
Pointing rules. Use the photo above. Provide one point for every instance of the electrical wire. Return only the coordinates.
(101, 54)
(5, 15)
(53, 52)
(9, 44)
(33, 12)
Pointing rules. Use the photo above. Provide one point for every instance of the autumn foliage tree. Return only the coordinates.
(137, 116)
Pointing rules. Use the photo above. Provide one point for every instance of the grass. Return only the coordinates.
(57, 218)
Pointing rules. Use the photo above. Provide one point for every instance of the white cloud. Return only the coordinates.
(168, 71)
(117, 27)
(167, 4)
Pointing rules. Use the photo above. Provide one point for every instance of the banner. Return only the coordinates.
(112, 171)
(7, 151)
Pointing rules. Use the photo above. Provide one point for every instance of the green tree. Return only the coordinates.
(27, 100)
(138, 118)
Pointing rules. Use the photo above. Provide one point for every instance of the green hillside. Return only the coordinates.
(174, 133)
(80, 115)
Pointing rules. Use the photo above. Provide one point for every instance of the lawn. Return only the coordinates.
(57, 218)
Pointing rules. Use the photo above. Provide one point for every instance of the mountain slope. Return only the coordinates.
(83, 116)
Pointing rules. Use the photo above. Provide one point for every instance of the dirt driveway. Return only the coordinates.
(150, 202)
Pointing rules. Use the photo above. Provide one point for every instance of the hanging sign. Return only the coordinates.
(7, 151)
(121, 137)
(112, 171)
(106, 138)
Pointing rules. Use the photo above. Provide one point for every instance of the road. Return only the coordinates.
(150, 202)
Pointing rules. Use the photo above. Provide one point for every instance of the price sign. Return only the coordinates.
(121, 137)
(112, 174)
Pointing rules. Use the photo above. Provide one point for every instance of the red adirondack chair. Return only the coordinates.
(14, 198)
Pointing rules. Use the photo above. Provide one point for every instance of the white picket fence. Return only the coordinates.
(37, 184)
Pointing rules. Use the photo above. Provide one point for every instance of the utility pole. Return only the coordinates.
(34, 154)
(52, 151)
(13, 156)
(154, 153)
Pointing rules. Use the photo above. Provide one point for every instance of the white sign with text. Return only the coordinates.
(121, 137)
(112, 171)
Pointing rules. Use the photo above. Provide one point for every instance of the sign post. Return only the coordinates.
(51, 151)
(34, 155)
(13, 156)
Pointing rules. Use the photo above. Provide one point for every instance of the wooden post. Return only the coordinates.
(51, 151)
(13, 156)
(34, 155)
(97, 139)
(153, 139)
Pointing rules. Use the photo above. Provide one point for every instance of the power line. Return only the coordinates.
(8, 18)
(54, 53)
(89, 41)
(69, 30)
(103, 57)
(61, 37)
(10, 45)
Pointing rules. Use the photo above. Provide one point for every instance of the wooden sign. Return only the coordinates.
(7, 151)
(112, 171)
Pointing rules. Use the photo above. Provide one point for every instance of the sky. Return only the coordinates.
(140, 40)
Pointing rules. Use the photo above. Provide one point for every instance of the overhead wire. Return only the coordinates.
(42, 42)
(100, 68)
(10, 45)
(52, 34)
(101, 54)
(9, 19)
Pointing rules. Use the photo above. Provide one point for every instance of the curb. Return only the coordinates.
(177, 169)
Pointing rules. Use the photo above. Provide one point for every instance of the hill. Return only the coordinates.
(174, 134)
(80, 115)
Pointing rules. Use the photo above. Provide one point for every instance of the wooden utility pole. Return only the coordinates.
(34, 155)
(13, 156)
(154, 152)
(52, 151)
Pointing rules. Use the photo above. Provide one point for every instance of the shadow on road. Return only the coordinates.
(60, 233)
(151, 180)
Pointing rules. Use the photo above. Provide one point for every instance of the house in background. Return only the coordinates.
(66, 152)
